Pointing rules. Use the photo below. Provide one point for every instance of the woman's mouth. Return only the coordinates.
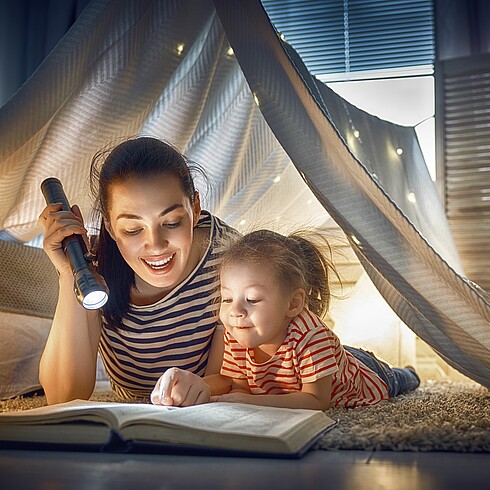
(160, 264)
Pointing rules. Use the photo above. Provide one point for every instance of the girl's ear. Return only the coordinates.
(196, 208)
(297, 302)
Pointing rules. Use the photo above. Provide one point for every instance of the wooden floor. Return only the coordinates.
(340, 470)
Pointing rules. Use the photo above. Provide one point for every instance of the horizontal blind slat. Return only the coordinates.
(371, 35)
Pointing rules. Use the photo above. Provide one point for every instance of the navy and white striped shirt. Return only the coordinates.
(173, 332)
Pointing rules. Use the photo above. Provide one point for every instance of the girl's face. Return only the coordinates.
(255, 309)
(151, 220)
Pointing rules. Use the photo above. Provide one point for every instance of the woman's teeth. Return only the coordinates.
(159, 264)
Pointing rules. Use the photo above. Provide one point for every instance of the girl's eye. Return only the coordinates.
(226, 300)
(253, 301)
(173, 225)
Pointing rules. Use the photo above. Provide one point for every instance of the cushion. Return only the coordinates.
(22, 340)
(28, 280)
(28, 295)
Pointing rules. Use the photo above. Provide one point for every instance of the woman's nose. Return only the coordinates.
(157, 239)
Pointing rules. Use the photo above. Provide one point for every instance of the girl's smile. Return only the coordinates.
(256, 310)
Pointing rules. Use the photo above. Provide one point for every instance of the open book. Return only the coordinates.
(221, 428)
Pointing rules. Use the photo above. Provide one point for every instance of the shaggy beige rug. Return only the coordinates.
(438, 416)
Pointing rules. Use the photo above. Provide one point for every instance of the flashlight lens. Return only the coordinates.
(94, 300)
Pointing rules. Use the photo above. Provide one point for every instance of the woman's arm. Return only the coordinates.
(69, 362)
(315, 396)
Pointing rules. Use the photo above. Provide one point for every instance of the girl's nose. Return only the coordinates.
(237, 309)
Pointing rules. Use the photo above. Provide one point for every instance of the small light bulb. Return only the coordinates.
(357, 133)
(180, 48)
(411, 197)
(355, 240)
(399, 151)
(230, 51)
(242, 222)
(256, 100)
(277, 179)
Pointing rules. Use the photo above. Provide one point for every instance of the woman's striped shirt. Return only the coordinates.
(173, 332)
(309, 352)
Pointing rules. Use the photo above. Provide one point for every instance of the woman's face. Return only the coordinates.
(152, 219)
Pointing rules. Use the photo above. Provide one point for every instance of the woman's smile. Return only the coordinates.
(159, 264)
(152, 221)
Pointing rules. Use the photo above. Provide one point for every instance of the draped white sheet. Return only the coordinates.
(165, 68)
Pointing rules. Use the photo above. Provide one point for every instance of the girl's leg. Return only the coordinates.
(399, 380)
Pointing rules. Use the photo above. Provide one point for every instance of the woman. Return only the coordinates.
(157, 251)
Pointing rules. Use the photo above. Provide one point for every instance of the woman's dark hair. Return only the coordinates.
(301, 260)
(141, 157)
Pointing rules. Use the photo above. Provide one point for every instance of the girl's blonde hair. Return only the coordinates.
(302, 259)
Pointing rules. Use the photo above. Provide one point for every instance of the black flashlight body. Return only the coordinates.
(88, 284)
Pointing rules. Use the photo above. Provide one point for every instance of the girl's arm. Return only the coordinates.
(218, 384)
(315, 396)
(69, 362)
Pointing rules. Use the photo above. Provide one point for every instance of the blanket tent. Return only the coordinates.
(215, 79)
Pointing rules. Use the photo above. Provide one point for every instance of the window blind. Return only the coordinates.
(463, 135)
(356, 37)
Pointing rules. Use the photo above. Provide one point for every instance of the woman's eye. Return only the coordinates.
(132, 232)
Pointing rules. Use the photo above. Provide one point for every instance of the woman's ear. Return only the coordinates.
(196, 208)
(108, 227)
(297, 302)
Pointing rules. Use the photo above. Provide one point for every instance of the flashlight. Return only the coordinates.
(90, 287)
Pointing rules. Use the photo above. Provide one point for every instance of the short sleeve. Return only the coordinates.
(316, 355)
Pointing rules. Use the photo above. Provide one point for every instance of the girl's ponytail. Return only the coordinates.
(316, 255)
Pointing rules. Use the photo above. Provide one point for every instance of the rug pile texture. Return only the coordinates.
(438, 416)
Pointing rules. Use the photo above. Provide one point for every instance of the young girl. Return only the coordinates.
(158, 253)
(274, 289)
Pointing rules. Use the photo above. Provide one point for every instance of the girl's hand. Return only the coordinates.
(58, 225)
(180, 388)
(234, 397)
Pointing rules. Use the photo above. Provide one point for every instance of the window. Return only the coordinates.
(377, 54)
(346, 39)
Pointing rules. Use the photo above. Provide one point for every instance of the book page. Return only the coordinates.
(232, 418)
(108, 413)
(76, 409)
(231, 426)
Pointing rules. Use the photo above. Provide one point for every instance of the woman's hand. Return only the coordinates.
(180, 388)
(58, 225)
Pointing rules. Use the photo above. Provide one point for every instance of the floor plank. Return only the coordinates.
(344, 470)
